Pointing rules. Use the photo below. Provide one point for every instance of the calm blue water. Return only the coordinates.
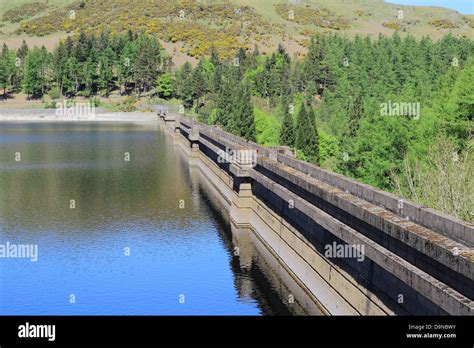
(176, 252)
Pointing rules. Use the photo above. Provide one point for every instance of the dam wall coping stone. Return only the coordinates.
(427, 217)
(436, 291)
(306, 176)
(440, 248)
(442, 223)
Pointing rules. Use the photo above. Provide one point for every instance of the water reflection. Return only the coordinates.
(178, 235)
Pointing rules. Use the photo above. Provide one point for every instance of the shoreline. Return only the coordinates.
(49, 115)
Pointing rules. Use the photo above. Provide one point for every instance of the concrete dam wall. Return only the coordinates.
(352, 249)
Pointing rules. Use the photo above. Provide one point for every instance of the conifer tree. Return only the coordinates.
(70, 80)
(18, 75)
(105, 71)
(307, 139)
(217, 79)
(59, 66)
(7, 68)
(356, 111)
(243, 119)
(44, 68)
(82, 47)
(183, 82)
(148, 62)
(287, 132)
(69, 46)
(23, 50)
(225, 102)
(198, 82)
(127, 61)
(32, 79)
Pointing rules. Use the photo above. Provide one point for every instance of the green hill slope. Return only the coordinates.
(189, 28)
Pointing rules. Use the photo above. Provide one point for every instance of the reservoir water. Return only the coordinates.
(121, 228)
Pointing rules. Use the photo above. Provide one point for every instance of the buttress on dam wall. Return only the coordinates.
(352, 249)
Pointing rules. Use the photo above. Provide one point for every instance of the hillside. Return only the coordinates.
(394, 112)
(189, 28)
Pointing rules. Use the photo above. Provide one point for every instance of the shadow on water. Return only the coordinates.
(257, 273)
(174, 250)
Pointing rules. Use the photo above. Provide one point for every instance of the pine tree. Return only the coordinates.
(32, 79)
(59, 65)
(69, 46)
(126, 64)
(82, 48)
(217, 79)
(88, 75)
(36, 66)
(307, 139)
(225, 101)
(23, 50)
(3, 72)
(455, 102)
(44, 62)
(7, 68)
(148, 62)
(104, 41)
(300, 127)
(242, 122)
(18, 75)
(285, 84)
(105, 75)
(356, 112)
(312, 65)
(184, 87)
(198, 82)
(70, 77)
(287, 132)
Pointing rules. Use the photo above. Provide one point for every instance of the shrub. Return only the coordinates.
(24, 11)
(442, 24)
(392, 25)
(54, 93)
(95, 101)
(306, 15)
(206, 25)
(50, 105)
(129, 104)
(267, 128)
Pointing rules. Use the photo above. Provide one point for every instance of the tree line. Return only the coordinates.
(327, 105)
(331, 106)
(85, 66)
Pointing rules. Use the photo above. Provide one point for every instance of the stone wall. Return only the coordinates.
(415, 261)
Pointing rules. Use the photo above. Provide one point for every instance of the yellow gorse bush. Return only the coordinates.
(199, 26)
(306, 15)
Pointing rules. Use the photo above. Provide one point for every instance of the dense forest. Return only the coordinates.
(86, 66)
(393, 112)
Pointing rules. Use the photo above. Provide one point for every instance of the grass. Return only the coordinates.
(416, 21)
(6, 5)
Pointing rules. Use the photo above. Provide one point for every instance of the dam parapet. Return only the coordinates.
(353, 248)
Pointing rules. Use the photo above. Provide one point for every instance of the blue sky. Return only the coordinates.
(463, 6)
